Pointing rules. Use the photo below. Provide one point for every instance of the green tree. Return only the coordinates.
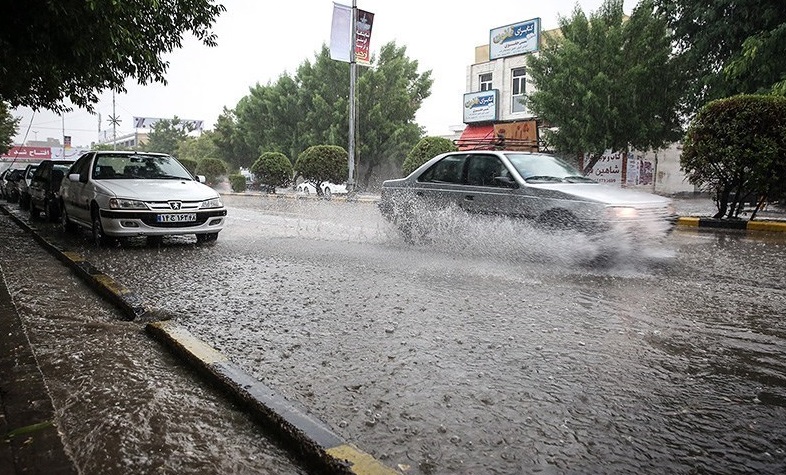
(608, 84)
(8, 125)
(167, 135)
(237, 182)
(722, 154)
(212, 169)
(53, 50)
(322, 163)
(229, 142)
(198, 148)
(272, 169)
(426, 149)
(312, 107)
(728, 47)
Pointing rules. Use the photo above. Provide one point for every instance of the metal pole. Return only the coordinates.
(352, 79)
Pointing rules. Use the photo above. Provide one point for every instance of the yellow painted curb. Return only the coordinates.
(362, 463)
(189, 343)
(688, 221)
(766, 226)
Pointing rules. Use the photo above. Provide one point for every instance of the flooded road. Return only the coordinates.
(491, 347)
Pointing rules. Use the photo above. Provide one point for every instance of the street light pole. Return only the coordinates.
(352, 79)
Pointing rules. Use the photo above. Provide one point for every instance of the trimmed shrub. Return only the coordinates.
(426, 149)
(272, 169)
(237, 182)
(736, 148)
(323, 163)
(211, 168)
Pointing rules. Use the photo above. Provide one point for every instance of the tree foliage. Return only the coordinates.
(312, 107)
(52, 50)
(198, 148)
(237, 182)
(272, 169)
(212, 169)
(322, 163)
(736, 148)
(606, 83)
(426, 149)
(167, 135)
(8, 125)
(728, 47)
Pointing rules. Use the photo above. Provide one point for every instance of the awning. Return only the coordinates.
(476, 137)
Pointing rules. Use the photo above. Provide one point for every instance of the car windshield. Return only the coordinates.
(139, 166)
(545, 168)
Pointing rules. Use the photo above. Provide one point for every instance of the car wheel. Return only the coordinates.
(99, 238)
(327, 193)
(23, 203)
(65, 222)
(209, 237)
(33, 211)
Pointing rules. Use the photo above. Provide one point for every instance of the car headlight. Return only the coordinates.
(120, 203)
(621, 212)
(213, 203)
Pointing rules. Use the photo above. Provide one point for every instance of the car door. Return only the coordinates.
(75, 191)
(442, 184)
(37, 187)
(489, 186)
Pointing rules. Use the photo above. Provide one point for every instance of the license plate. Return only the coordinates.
(176, 218)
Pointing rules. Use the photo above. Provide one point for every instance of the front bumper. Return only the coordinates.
(144, 223)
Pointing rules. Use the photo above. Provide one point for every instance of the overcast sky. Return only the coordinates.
(258, 41)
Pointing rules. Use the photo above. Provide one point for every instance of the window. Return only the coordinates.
(485, 82)
(448, 170)
(519, 88)
(484, 169)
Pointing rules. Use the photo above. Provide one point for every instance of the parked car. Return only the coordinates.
(328, 189)
(525, 185)
(10, 177)
(124, 194)
(44, 188)
(23, 185)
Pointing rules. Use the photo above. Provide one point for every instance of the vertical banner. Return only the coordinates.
(341, 35)
(363, 38)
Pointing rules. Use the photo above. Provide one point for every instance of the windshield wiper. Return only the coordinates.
(578, 179)
(543, 178)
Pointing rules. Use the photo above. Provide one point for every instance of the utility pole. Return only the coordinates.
(115, 122)
(352, 79)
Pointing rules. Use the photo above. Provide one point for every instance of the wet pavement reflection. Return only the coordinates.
(491, 347)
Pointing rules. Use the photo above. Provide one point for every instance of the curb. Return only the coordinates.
(758, 225)
(321, 448)
(130, 304)
(310, 437)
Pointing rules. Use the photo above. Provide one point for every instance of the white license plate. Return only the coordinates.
(176, 218)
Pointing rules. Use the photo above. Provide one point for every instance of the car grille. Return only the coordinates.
(165, 206)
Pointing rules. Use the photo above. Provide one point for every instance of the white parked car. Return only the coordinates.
(328, 189)
(124, 194)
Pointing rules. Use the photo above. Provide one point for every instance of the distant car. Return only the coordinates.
(23, 185)
(44, 188)
(124, 194)
(10, 177)
(328, 189)
(525, 185)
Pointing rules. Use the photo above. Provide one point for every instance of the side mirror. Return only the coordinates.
(74, 177)
(506, 181)
(201, 178)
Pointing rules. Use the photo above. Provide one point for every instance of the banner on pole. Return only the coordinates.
(341, 35)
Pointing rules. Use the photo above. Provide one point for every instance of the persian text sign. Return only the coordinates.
(28, 153)
(480, 106)
(608, 169)
(515, 39)
(341, 34)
